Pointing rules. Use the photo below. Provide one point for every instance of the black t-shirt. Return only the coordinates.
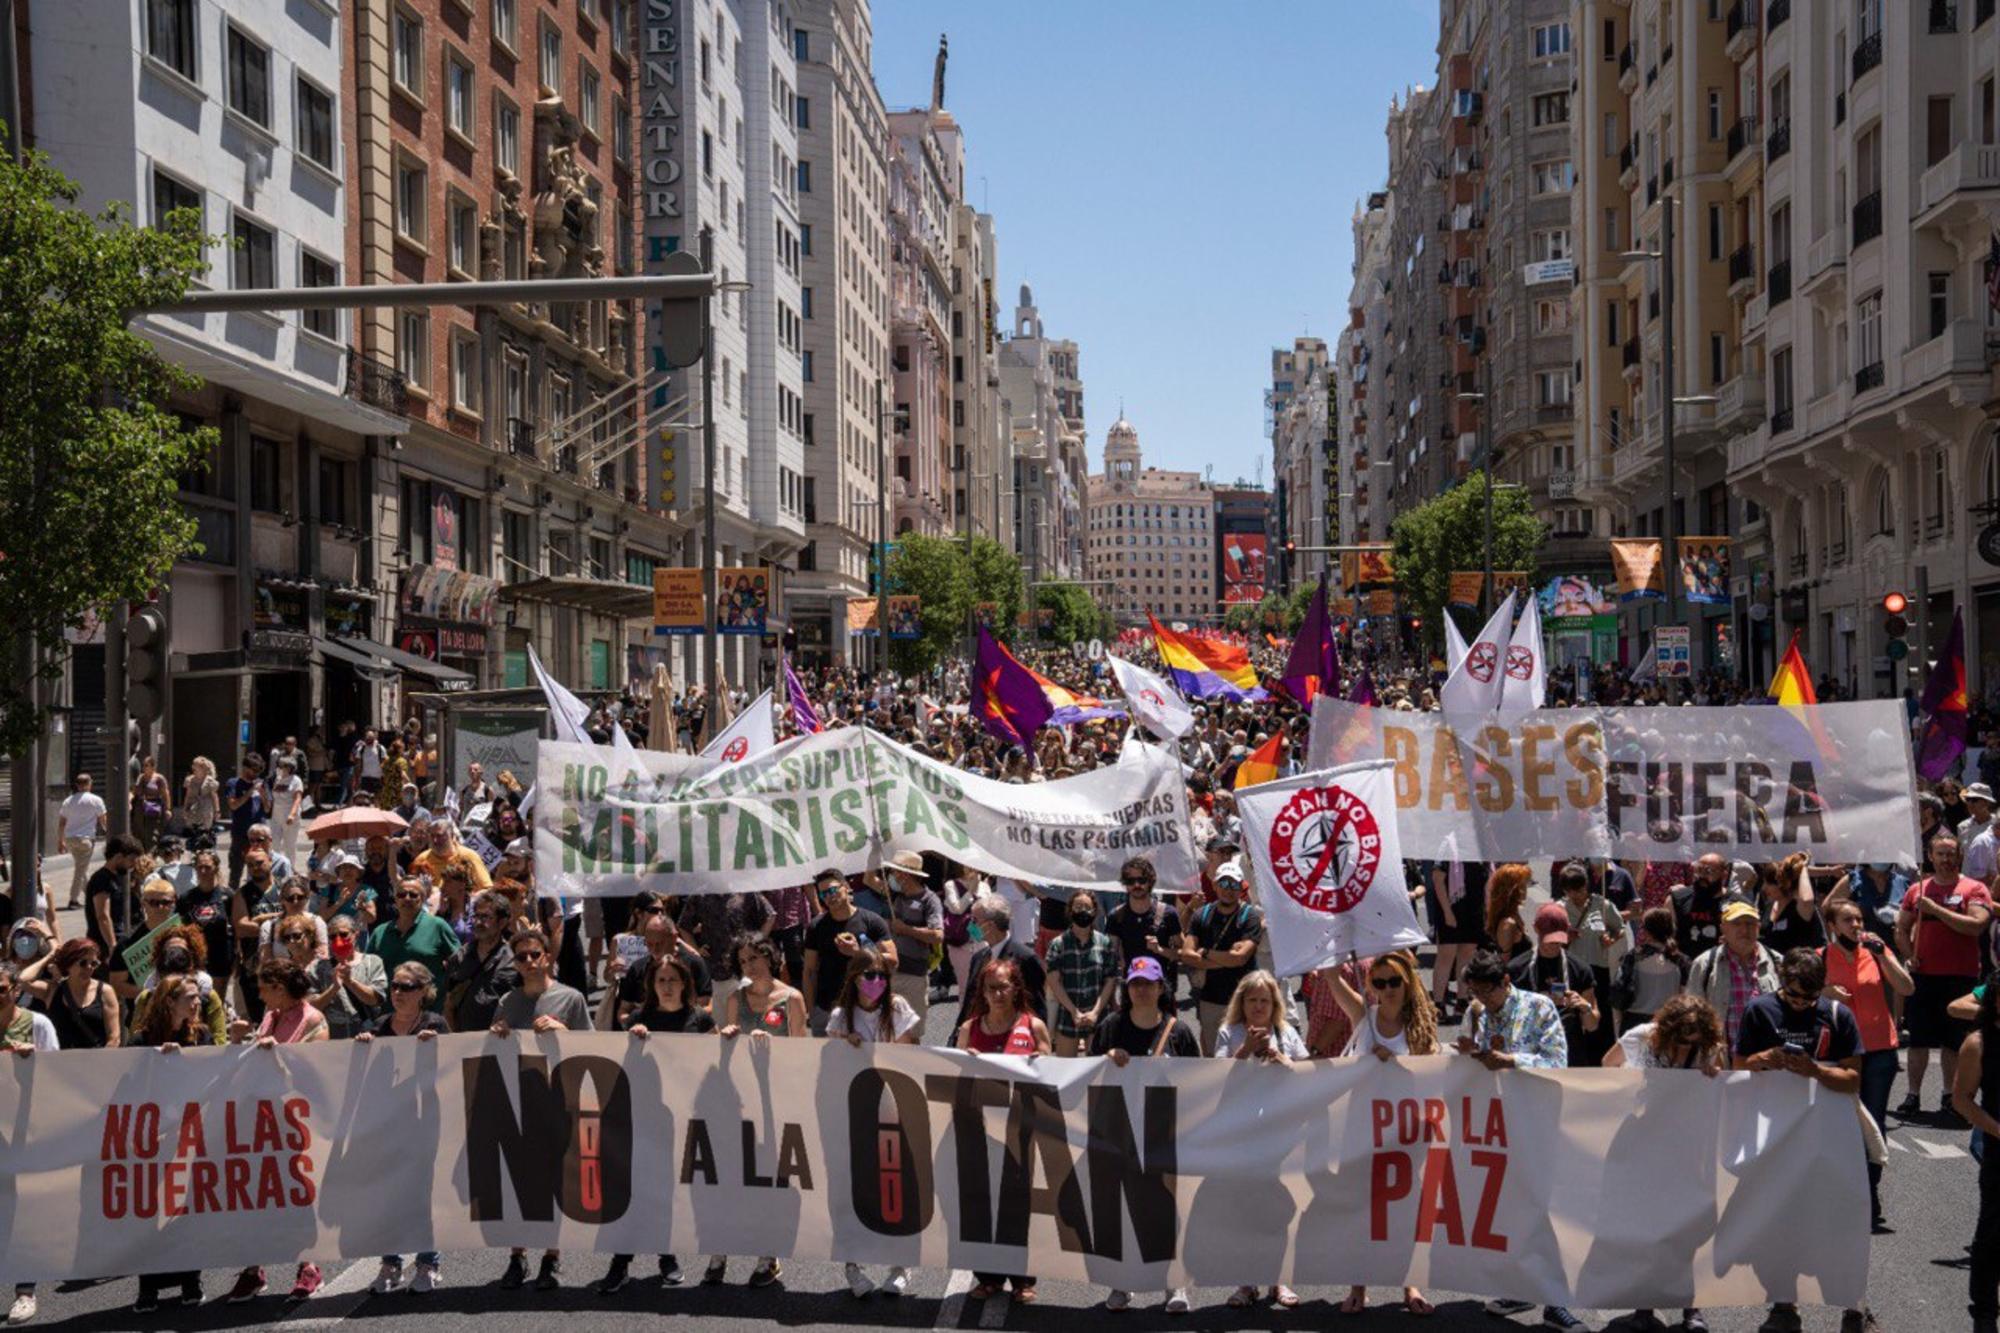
(1792, 929)
(1550, 976)
(1698, 917)
(631, 986)
(427, 1021)
(687, 1018)
(109, 884)
(209, 912)
(1213, 930)
(1130, 929)
(867, 929)
(1617, 887)
(1827, 1031)
(1119, 1033)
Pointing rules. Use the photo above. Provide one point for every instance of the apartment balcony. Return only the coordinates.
(1869, 377)
(1743, 141)
(1960, 352)
(1982, 10)
(377, 384)
(1867, 55)
(1778, 283)
(1779, 141)
(1742, 270)
(1741, 402)
(1754, 311)
(1867, 218)
(520, 437)
(1826, 261)
(1748, 450)
(1943, 16)
(1776, 12)
(1629, 358)
(1628, 71)
(1782, 422)
(1626, 159)
(1652, 190)
(1742, 29)
(1652, 75)
(1826, 412)
(1961, 187)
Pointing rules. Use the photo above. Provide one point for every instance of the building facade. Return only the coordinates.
(1149, 538)
(1367, 451)
(1044, 451)
(1297, 403)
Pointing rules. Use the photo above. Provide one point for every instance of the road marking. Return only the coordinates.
(995, 1311)
(1938, 1152)
(336, 1300)
(953, 1304)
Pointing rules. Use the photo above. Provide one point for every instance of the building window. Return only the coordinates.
(805, 177)
(318, 271)
(1868, 331)
(1555, 177)
(799, 46)
(1718, 359)
(803, 109)
(806, 366)
(267, 474)
(411, 183)
(587, 97)
(1552, 388)
(1551, 109)
(413, 347)
(315, 130)
(1550, 40)
(1551, 316)
(1549, 243)
(1714, 114)
(407, 48)
(621, 130)
(463, 240)
(503, 23)
(458, 95)
(551, 57)
(1611, 230)
(1940, 303)
(170, 194)
(170, 35)
(506, 135)
(255, 262)
(465, 372)
(621, 28)
(708, 154)
(249, 77)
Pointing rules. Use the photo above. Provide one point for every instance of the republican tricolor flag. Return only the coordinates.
(1206, 668)
(1945, 708)
(1007, 698)
(1261, 764)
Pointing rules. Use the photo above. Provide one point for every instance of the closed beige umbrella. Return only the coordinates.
(661, 733)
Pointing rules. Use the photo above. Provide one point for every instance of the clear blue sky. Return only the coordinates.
(1175, 179)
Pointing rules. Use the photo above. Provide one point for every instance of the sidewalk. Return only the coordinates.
(56, 871)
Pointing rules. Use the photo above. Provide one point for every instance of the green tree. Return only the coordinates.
(1449, 533)
(996, 578)
(933, 569)
(1077, 614)
(90, 456)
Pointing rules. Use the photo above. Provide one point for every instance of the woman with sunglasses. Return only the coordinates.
(410, 992)
(765, 1007)
(173, 1020)
(156, 904)
(295, 898)
(1003, 1024)
(64, 983)
(1395, 1018)
(1254, 1027)
(868, 1011)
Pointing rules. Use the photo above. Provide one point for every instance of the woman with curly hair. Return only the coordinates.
(1684, 1034)
(172, 1021)
(1506, 890)
(183, 952)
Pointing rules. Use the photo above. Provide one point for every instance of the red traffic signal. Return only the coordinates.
(1895, 603)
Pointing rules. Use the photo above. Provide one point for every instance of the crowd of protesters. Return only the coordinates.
(1800, 970)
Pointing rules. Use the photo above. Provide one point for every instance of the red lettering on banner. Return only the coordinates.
(303, 1191)
(1439, 1216)
(1388, 1181)
(236, 1184)
(272, 1169)
(1438, 1203)
(205, 1174)
(118, 1133)
(193, 1143)
(297, 1120)
(1384, 1115)
(1495, 1166)
(112, 1204)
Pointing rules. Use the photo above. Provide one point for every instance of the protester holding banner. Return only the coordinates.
(183, 952)
(1938, 930)
(869, 1011)
(411, 992)
(172, 1023)
(1003, 1024)
(1082, 980)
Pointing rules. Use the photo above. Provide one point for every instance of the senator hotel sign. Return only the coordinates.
(660, 126)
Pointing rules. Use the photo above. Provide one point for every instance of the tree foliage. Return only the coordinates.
(996, 578)
(1449, 533)
(937, 570)
(1077, 614)
(90, 456)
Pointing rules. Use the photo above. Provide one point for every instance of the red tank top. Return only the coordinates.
(1017, 1040)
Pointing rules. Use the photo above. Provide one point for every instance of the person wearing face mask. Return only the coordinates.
(868, 1011)
(1698, 906)
(360, 984)
(1082, 965)
(916, 919)
(833, 938)
(183, 952)
(992, 929)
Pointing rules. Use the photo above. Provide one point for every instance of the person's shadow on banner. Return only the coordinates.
(1664, 1152)
(734, 1216)
(389, 1126)
(1238, 1222)
(1760, 1225)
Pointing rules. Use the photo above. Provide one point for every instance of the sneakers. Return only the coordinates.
(1858, 1321)
(1177, 1301)
(426, 1280)
(670, 1270)
(898, 1283)
(388, 1277)
(548, 1278)
(249, 1285)
(766, 1272)
(1558, 1316)
(1504, 1308)
(1118, 1301)
(616, 1276)
(1639, 1321)
(516, 1276)
(23, 1308)
(1693, 1321)
(306, 1283)
(858, 1284)
(1909, 1106)
(718, 1269)
(1782, 1319)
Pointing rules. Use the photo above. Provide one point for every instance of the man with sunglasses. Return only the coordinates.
(841, 930)
(414, 935)
(1799, 1031)
(1146, 927)
(539, 1004)
(483, 972)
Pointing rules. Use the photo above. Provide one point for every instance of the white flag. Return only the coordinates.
(1328, 866)
(1525, 678)
(1473, 688)
(1648, 666)
(1154, 703)
(1454, 643)
(751, 733)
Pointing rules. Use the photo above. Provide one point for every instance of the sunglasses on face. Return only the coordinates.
(652, 911)
(876, 974)
(409, 897)
(1386, 983)
(529, 956)
(295, 938)
(406, 987)
(158, 902)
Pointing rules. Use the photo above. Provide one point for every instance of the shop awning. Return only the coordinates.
(604, 597)
(381, 661)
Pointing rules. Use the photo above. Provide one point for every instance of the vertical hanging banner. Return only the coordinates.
(1635, 561)
(677, 602)
(906, 618)
(1704, 570)
(1466, 585)
(861, 616)
(1369, 565)
(743, 600)
(1673, 651)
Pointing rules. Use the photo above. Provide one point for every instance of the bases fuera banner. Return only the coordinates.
(1601, 1188)
(842, 799)
(1754, 783)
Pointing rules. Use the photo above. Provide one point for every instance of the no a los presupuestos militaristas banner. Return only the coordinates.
(842, 800)
(1606, 1188)
(1754, 783)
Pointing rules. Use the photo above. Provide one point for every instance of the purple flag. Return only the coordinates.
(1007, 698)
(1314, 666)
(804, 717)
(1944, 707)
(1364, 689)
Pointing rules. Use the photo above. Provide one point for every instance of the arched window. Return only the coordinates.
(1989, 472)
(1884, 504)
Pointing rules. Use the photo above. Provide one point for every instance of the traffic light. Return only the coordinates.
(1896, 627)
(146, 664)
(663, 470)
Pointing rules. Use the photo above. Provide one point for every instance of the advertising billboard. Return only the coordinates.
(1243, 557)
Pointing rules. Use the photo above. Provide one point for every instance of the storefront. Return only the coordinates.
(445, 615)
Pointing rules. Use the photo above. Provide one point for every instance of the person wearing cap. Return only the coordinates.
(916, 919)
(1736, 971)
(1938, 930)
(348, 894)
(1552, 970)
(1143, 1026)
(1981, 853)
(1221, 939)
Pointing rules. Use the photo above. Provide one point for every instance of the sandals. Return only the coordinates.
(1284, 1297)
(1242, 1298)
(1415, 1304)
(1024, 1295)
(1356, 1302)
(985, 1291)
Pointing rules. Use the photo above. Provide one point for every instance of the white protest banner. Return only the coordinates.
(1525, 676)
(842, 799)
(1755, 783)
(1598, 1188)
(1329, 866)
(1154, 703)
(750, 733)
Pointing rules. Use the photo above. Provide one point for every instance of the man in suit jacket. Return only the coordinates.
(994, 918)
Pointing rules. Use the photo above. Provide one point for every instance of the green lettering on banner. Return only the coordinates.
(954, 831)
(844, 809)
(713, 813)
(918, 814)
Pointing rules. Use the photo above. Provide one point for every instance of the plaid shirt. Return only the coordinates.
(1082, 968)
(1742, 990)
